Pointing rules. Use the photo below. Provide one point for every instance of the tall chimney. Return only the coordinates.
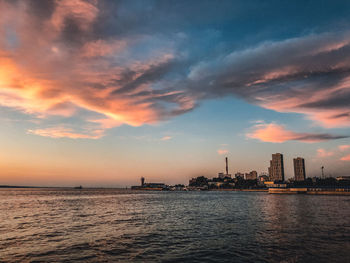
(226, 166)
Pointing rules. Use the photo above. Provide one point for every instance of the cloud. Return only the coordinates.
(346, 158)
(59, 66)
(166, 138)
(61, 132)
(322, 153)
(110, 61)
(278, 134)
(101, 48)
(222, 151)
(343, 147)
(309, 75)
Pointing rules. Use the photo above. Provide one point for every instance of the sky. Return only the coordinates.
(100, 93)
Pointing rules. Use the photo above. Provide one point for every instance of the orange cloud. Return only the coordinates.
(278, 134)
(44, 76)
(345, 158)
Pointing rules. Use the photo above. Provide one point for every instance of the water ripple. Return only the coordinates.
(104, 225)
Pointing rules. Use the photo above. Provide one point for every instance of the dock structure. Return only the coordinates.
(311, 191)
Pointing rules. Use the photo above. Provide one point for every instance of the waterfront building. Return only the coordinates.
(239, 175)
(263, 177)
(198, 181)
(299, 169)
(276, 169)
(253, 175)
(149, 186)
(221, 175)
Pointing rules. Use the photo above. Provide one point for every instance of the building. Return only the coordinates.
(263, 177)
(198, 181)
(299, 169)
(239, 175)
(253, 175)
(276, 169)
(221, 175)
(149, 186)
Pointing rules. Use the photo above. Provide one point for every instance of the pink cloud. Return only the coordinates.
(82, 11)
(322, 153)
(343, 147)
(101, 48)
(222, 151)
(278, 134)
(312, 104)
(305, 103)
(166, 138)
(346, 158)
(324, 117)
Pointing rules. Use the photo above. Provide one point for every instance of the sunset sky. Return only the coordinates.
(100, 93)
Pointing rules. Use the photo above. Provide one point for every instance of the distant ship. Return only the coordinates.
(78, 187)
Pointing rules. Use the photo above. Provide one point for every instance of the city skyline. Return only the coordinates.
(100, 93)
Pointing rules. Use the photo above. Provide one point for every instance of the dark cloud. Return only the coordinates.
(71, 33)
(319, 137)
(43, 10)
(152, 74)
(296, 75)
(336, 100)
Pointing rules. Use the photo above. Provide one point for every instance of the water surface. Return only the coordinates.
(106, 225)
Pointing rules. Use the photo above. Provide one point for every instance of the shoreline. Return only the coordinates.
(281, 191)
(239, 190)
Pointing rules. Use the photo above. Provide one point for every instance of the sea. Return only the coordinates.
(111, 225)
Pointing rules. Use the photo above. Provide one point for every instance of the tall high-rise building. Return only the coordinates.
(276, 169)
(299, 169)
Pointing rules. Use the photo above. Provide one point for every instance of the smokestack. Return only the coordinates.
(226, 166)
(142, 181)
